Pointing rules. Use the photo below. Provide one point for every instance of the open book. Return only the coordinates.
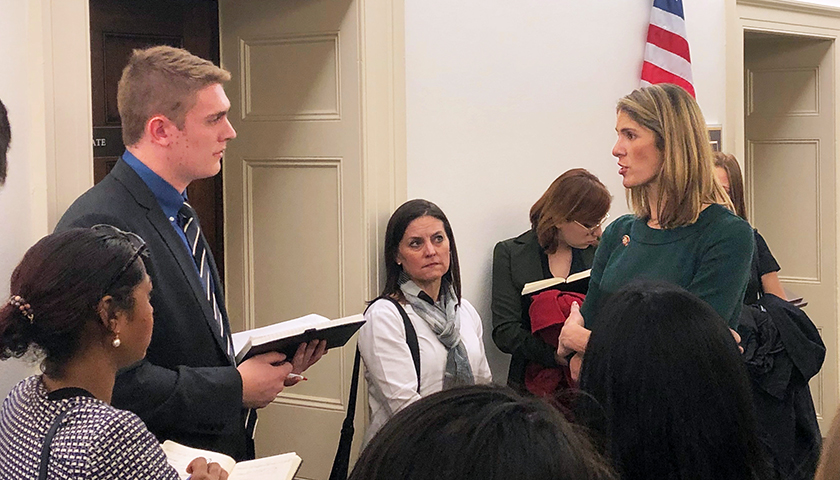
(578, 283)
(284, 337)
(277, 467)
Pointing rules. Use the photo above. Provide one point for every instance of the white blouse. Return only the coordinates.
(389, 369)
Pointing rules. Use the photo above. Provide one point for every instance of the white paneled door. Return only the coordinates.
(790, 163)
(294, 211)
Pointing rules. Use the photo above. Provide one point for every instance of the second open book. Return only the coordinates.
(276, 467)
(284, 337)
(579, 283)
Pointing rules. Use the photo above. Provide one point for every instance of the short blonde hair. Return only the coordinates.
(687, 178)
(161, 80)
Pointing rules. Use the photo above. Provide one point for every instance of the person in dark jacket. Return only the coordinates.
(565, 227)
(783, 351)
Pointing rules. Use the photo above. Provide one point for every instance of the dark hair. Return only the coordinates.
(575, 195)
(479, 432)
(736, 181)
(400, 219)
(63, 277)
(5, 140)
(671, 394)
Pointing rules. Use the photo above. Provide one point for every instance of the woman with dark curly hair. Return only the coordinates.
(80, 300)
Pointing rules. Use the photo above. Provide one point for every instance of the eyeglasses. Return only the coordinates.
(114, 233)
(591, 230)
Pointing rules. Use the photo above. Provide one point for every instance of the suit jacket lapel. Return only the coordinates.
(144, 197)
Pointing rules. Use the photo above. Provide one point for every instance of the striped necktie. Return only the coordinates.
(192, 230)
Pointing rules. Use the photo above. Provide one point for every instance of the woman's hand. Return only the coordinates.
(199, 469)
(574, 366)
(574, 336)
(737, 340)
(306, 356)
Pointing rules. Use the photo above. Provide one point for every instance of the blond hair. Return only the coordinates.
(729, 164)
(687, 178)
(161, 80)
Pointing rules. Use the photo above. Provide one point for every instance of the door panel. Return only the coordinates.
(791, 179)
(293, 198)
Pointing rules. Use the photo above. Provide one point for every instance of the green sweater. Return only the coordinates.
(710, 258)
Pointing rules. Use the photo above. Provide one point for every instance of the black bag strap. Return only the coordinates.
(45, 450)
(410, 336)
(341, 463)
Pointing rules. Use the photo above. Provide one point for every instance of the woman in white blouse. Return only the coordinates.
(423, 283)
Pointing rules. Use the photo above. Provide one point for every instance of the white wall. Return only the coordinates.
(23, 211)
(45, 85)
(502, 97)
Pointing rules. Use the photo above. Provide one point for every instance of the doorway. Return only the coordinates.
(789, 158)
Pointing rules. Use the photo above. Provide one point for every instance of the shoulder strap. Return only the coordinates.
(410, 336)
(341, 463)
(45, 450)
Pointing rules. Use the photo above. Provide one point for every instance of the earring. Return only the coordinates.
(116, 342)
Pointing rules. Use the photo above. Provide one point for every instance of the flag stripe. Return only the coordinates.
(654, 74)
(669, 41)
(668, 61)
(667, 54)
(668, 21)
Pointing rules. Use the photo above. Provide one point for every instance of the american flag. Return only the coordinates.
(667, 59)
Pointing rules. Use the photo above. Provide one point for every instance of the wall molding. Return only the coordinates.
(794, 6)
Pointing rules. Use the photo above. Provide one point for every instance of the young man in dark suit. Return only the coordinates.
(188, 388)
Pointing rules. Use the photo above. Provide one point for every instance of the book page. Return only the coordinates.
(531, 287)
(277, 467)
(180, 456)
(240, 340)
(540, 284)
(314, 321)
(288, 328)
(578, 276)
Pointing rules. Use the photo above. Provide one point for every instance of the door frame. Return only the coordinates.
(68, 125)
(789, 18)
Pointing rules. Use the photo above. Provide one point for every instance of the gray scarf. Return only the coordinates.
(444, 320)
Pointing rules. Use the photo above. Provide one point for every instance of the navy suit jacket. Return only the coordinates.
(187, 388)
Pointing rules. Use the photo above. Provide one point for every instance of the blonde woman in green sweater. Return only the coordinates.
(682, 229)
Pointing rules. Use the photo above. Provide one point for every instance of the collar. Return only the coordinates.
(408, 286)
(68, 392)
(170, 200)
(641, 232)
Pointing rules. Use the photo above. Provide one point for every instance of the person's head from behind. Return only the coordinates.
(173, 101)
(728, 174)
(571, 211)
(5, 140)
(664, 384)
(664, 155)
(419, 242)
(75, 291)
(479, 432)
